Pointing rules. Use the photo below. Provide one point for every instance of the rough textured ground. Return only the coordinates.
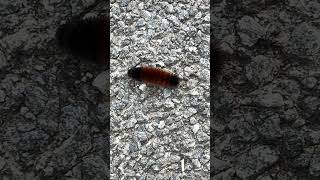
(265, 102)
(53, 121)
(154, 129)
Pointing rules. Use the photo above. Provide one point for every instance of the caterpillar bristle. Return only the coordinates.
(154, 76)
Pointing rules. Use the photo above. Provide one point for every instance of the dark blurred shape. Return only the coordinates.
(86, 38)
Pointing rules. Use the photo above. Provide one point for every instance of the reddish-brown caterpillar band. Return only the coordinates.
(154, 76)
(87, 38)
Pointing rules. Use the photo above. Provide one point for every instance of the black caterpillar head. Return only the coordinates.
(134, 73)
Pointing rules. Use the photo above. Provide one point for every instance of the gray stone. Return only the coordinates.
(3, 60)
(270, 129)
(250, 30)
(102, 82)
(35, 99)
(310, 82)
(306, 40)
(218, 165)
(2, 96)
(270, 100)
(142, 136)
(124, 2)
(314, 137)
(255, 161)
(140, 22)
(261, 70)
(2, 163)
(315, 165)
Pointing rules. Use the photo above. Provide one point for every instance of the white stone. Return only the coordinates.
(198, 15)
(161, 125)
(196, 128)
(169, 103)
(142, 87)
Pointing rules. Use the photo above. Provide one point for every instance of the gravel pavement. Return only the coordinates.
(154, 131)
